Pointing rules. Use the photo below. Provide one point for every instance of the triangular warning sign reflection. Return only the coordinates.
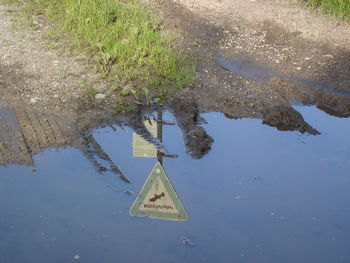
(158, 198)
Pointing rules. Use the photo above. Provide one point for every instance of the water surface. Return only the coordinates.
(259, 195)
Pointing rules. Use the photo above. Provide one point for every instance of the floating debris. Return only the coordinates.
(186, 242)
(129, 192)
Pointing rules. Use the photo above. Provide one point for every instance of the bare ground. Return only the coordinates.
(255, 60)
(251, 66)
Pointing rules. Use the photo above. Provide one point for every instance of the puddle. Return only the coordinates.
(254, 71)
(251, 194)
(246, 68)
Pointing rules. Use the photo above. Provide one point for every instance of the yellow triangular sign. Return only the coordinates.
(158, 198)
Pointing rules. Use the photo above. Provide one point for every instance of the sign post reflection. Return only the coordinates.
(157, 198)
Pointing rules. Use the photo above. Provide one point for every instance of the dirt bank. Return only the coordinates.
(248, 68)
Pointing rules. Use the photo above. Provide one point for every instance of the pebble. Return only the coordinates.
(298, 68)
(307, 58)
(328, 56)
(100, 96)
(33, 100)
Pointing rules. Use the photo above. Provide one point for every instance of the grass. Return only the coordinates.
(339, 8)
(123, 38)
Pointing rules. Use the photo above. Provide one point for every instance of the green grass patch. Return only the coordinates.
(122, 37)
(339, 8)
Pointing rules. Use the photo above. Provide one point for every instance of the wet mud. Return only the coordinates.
(26, 132)
(268, 95)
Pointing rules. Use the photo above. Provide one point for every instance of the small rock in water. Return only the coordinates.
(76, 257)
(186, 242)
(238, 197)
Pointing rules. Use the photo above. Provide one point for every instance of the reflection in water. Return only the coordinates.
(258, 196)
(25, 132)
(157, 198)
(286, 119)
(267, 195)
(279, 92)
(141, 147)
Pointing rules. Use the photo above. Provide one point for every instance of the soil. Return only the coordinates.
(256, 59)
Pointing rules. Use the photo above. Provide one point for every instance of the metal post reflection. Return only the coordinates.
(157, 198)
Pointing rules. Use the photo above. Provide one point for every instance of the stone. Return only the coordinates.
(33, 100)
(100, 96)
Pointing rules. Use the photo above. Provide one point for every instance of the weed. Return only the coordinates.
(9, 11)
(90, 90)
(36, 76)
(147, 94)
(122, 107)
(123, 38)
(51, 46)
(65, 74)
(340, 8)
(32, 24)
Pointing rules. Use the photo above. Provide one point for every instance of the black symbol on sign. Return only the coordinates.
(156, 197)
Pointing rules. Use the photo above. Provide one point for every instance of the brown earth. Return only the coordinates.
(256, 59)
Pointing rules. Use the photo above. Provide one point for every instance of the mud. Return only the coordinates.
(26, 132)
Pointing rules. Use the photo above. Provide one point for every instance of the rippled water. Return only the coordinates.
(260, 195)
